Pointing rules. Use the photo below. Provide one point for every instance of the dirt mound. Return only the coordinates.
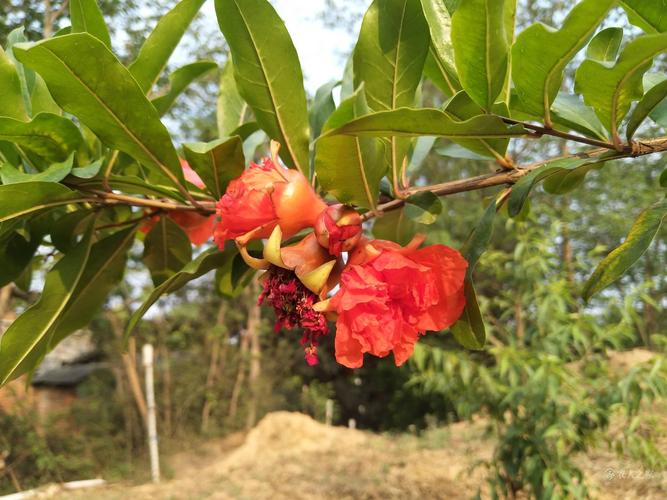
(291, 456)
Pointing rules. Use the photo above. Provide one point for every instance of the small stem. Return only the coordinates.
(108, 169)
(129, 221)
(563, 135)
(105, 197)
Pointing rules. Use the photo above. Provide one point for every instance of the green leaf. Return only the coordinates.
(161, 43)
(103, 271)
(110, 103)
(389, 61)
(178, 82)
(424, 207)
(413, 122)
(131, 184)
(389, 56)
(206, 262)
(55, 173)
(11, 97)
(322, 107)
(441, 49)
(65, 230)
(350, 168)
(16, 252)
(522, 188)
(17, 200)
(87, 17)
(611, 90)
(234, 275)
(469, 330)
(614, 265)
(604, 46)
(268, 74)
(663, 178)
(648, 103)
(480, 48)
(479, 239)
(50, 136)
(26, 340)
(166, 250)
(231, 107)
(89, 171)
(569, 111)
(541, 53)
(217, 162)
(649, 15)
(461, 107)
(395, 226)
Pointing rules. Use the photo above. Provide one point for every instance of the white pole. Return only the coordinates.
(147, 355)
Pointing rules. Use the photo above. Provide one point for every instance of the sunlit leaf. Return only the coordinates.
(50, 136)
(161, 43)
(86, 16)
(216, 162)
(179, 81)
(262, 51)
(611, 90)
(541, 53)
(480, 47)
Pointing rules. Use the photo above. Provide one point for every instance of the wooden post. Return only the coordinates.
(151, 424)
(328, 415)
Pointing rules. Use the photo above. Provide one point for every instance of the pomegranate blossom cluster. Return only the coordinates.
(382, 296)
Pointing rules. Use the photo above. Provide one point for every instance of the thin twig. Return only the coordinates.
(541, 130)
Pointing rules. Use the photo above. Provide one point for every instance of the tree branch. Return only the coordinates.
(510, 177)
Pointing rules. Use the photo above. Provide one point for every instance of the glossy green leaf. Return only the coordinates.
(55, 173)
(541, 53)
(26, 340)
(50, 136)
(103, 271)
(469, 330)
(655, 97)
(231, 108)
(569, 111)
(179, 81)
(390, 53)
(641, 234)
(86, 16)
(66, 229)
(268, 74)
(17, 200)
(166, 250)
(389, 61)
(203, 264)
(350, 168)
(322, 107)
(441, 49)
(611, 90)
(11, 97)
(604, 46)
(110, 102)
(461, 107)
(413, 122)
(161, 43)
(423, 208)
(649, 15)
(481, 49)
(217, 162)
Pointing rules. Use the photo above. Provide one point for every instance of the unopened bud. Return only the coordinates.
(338, 229)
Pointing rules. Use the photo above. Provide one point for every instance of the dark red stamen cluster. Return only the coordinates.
(293, 305)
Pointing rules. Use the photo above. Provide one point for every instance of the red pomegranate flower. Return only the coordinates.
(264, 196)
(338, 228)
(390, 295)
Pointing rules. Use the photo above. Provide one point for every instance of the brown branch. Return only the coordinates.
(510, 177)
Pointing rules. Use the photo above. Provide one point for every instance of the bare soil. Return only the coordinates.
(291, 456)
